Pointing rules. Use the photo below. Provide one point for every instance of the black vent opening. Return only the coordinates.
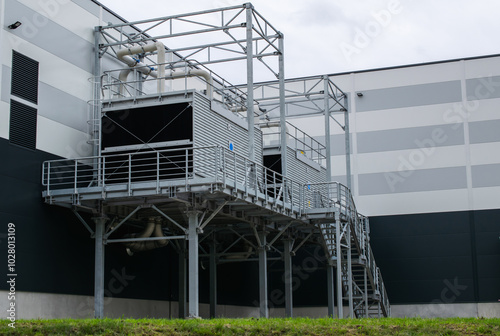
(24, 77)
(22, 129)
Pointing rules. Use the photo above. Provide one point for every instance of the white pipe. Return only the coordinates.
(256, 109)
(271, 124)
(195, 73)
(124, 55)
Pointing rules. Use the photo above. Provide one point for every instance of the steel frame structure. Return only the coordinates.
(222, 193)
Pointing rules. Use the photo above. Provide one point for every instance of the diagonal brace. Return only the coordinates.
(219, 208)
(303, 242)
(279, 234)
(170, 219)
(92, 233)
(123, 221)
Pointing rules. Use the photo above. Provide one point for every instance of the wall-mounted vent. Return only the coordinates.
(22, 129)
(24, 77)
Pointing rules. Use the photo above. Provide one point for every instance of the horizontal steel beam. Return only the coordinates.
(127, 240)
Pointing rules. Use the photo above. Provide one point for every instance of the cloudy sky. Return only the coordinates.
(332, 36)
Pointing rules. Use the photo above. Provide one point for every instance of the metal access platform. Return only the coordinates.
(198, 190)
(216, 187)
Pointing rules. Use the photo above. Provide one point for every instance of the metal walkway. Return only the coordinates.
(221, 184)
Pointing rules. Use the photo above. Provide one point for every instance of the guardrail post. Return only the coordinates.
(157, 172)
(48, 178)
(235, 170)
(216, 163)
(245, 172)
(223, 166)
(187, 166)
(76, 177)
(130, 174)
(103, 172)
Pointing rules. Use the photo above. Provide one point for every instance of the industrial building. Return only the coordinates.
(142, 183)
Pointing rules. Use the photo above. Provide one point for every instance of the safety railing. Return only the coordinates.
(328, 195)
(181, 76)
(200, 165)
(299, 141)
(184, 166)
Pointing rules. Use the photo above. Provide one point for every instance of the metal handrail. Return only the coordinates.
(300, 141)
(219, 164)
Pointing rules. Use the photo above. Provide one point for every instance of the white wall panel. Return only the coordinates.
(396, 77)
(418, 202)
(437, 157)
(54, 71)
(485, 153)
(486, 109)
(409, 117)
(486, 198)
(64, 13)
(55, 138)
(4, 119)
(482, 67)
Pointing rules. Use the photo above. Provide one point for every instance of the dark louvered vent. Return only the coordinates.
(24, 77)
(22, 125)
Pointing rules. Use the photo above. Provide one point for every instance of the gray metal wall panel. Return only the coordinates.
(6, 80)
(407, 96)
(413, 181)
(301, 172)
(337, 143)
(49, 36)
(410, 138)
(53, 104)
(62, 107)
(484, 131)
(483, 88)
(486, 175)
(211, 129)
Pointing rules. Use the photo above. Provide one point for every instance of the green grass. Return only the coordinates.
(297, 326)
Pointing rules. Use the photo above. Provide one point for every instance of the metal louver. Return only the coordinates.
(24, 77)
(22, 129)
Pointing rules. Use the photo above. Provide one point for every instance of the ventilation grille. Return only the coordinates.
(24, 77)
(22, 125)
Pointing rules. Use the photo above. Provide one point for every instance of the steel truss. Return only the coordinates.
(227, 208)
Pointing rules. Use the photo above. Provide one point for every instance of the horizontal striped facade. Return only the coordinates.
(425, 138)
(425, 157)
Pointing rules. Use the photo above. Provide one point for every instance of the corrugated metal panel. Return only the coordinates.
(211, 129)
(24, 77)
(301, 172)
(22, 129)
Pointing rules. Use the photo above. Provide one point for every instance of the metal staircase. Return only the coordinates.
(350, 240)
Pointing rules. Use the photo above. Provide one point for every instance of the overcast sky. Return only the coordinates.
(332, 36)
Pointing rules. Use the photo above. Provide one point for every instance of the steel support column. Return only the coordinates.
(326, 106)
(338, 246)
(213, 280)
(347, 144)
(96, 104)
(366, 292)
(330, 289)
(349, 271)
(288, 277)
(99, 267)
(283, 128)
(182, 280)
(263, 302)
(194, 295)
(250, 103)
